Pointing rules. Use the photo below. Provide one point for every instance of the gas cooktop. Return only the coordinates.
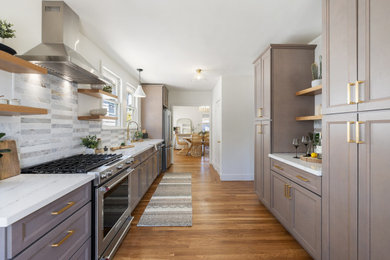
(81, 163)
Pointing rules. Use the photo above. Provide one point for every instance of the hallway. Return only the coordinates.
(229, 222)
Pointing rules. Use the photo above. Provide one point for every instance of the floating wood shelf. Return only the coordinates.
(98, 93)
(14, 64)
(310, 91)
(308, 118)
(11, 110)
(90, 118)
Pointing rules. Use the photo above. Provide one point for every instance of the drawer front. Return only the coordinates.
(29, 229)
(64, 240)
(305, 179)
(84, 253)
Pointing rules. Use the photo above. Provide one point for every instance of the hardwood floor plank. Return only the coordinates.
(229, 222)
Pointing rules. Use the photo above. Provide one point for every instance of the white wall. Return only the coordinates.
(237, 130)
(216, 135)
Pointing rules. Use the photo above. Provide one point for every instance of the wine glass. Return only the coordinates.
(305, 141)
(295, 142)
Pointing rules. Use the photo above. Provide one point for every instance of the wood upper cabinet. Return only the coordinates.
(340, 59)
(374, 55)
(357, 53)
(374, 183)
(339, 187)
(263, 86)
(262, 162)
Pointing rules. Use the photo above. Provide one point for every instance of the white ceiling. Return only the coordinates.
(170, 39)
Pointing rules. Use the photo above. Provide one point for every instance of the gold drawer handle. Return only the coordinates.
(259, 129)
(357, 94)
(349, 85)
(349, 140)
(302, 178)
(70, 233)
(278, 167)
(69, 204)
(260, 112)
(289, 191)
(358, 132)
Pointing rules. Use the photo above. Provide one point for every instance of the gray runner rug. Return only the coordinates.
(171, 203)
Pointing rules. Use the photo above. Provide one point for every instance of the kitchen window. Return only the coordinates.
(132, 104)
(113, 105)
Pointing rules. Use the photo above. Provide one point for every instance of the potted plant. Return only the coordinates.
(91, 143)
(3, 150)
(6, 32)
(316, 74)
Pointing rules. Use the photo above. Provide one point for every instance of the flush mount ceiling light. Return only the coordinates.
(139, 92)
(198, 74)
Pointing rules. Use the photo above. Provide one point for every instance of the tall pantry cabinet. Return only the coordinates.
(281, 71)
(356, 127)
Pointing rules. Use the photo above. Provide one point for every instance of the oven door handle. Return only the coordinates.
(128, 171)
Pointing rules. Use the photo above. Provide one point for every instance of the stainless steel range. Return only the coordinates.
(112, 216)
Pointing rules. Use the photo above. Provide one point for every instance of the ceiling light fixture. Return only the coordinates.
(139, 92)
(198, 74)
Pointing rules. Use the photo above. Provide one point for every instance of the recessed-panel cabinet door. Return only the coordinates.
(258, 89)
(306, 219)
(266, 130)
(374, 185)
(339, 187)
(259, 162)
(266, 83)
(280, 203)
(340, 55)
(374, 55)
(134, 193)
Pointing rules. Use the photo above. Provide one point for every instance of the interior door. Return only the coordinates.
(374, 55)
(340, 59)
(217, 136)
(374, 183)
(339, 187)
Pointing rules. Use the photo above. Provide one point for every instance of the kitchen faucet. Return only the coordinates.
(128, 130)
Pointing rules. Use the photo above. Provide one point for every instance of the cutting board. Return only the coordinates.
(9, 163)
(121, 147)
(310, 159)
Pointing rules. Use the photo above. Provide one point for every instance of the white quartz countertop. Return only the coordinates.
(287, 158)
(139, 147)
(26, 193)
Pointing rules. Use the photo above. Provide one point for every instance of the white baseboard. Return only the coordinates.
(237, 177)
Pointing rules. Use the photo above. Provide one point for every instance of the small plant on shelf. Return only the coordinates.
(107, 88)
(315, 74)
(3, 150)
(90, 141)
(6, 30)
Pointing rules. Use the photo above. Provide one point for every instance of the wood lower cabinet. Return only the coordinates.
(262, 162)
(299, 210)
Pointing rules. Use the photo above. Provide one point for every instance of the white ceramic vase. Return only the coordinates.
(316, 82)
(89, 151)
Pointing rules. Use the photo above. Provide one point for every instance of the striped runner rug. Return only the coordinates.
(171, 203)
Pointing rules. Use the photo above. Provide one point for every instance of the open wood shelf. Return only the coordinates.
(11, 110)
(90, 118)
(14, 64)
(308, 118)
(98, 93)
(310, 91)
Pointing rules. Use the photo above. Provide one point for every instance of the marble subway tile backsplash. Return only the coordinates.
(42, 138)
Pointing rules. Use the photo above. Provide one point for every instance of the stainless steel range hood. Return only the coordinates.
(59, 25)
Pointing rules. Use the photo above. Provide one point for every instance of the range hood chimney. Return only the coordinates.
(60, 25)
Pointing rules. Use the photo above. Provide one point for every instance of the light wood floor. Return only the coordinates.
(229, 222)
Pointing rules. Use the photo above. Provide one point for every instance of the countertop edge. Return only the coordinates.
(296, 165)
(8, 221)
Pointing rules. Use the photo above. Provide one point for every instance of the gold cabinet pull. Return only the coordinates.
(285, 190)
(349, 140)
(357, 92)
(260, 112)
(278, 167)
(349, 85)
(260, 129)
(358, 123)
(289, 191)
(302, 178)
(68, 205)
(70, 233)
